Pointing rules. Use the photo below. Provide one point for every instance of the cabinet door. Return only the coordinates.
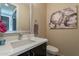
(25, 54)
(39, 50)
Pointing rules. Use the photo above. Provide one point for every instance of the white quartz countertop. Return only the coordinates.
(8, 50)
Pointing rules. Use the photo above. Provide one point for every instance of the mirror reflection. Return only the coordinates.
(8, 15)
(15, 16)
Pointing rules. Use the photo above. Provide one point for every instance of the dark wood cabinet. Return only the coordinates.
(37, 51)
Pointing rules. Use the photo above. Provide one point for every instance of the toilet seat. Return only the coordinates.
(52, 49)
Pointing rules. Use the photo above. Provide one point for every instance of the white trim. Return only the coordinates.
(31, 20)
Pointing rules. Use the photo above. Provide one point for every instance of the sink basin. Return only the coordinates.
(21, 43)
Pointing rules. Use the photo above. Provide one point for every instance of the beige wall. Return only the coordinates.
(39, 14)
(67, 40)
(22, 16)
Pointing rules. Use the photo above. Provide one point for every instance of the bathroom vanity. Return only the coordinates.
(34, 46)
(37, 51)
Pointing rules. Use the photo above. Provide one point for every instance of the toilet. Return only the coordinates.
(52, 50)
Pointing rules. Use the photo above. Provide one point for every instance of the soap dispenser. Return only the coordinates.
(36, 28)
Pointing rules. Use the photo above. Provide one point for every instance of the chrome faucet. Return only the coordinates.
(19, 36)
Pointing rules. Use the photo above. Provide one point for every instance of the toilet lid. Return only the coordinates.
(52, 48)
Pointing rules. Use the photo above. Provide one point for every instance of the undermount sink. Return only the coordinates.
(21, 43)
